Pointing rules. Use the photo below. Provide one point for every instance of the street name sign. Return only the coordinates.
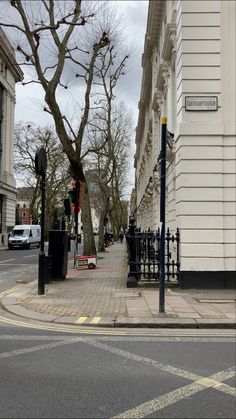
(201, 103)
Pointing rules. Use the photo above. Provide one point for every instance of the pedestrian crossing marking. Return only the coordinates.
(81, 320)
(95, 320)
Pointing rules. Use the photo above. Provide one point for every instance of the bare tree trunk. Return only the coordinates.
(101, 247)
(89, 242)
(103, 214)
(33, 208)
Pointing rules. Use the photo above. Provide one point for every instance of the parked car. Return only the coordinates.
(25, 236)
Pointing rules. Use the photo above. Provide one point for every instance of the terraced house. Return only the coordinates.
(189, 77)
(9, 75)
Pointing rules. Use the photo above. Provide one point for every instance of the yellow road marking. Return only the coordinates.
(116, 331)
(95, 320)
(81, 320)
(62, 328)
(4, 293)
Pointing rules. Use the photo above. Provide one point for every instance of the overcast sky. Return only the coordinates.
(29, 99)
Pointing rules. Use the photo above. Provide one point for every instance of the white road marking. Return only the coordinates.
(38, 348)
(31, 256)
(210, 339)
(33, 337)
(168, 399)
(156, 364)
(125, 338)
(6, 260)
(16, 264)
(200, 383)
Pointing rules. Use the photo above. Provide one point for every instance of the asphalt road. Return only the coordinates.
(16, 266)
(17, 257)
(56, 371)
(168, 374)
(19, 265)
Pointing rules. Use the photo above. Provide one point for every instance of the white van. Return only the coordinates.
(25, 236)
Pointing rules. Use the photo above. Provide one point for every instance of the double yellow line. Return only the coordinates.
(4, 293)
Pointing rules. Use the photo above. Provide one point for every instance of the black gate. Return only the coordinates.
(143, 255)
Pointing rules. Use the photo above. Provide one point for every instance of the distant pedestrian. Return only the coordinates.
(121, 236)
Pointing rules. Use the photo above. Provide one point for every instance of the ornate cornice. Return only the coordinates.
(151, 40)
(7, 53)
(142, 165)
(163, 76)
(169, 44)
(158, 101)
(148, 145)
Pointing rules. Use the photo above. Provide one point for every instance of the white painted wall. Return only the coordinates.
(193, 56)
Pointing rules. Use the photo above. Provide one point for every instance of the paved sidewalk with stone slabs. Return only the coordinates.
(100, 297)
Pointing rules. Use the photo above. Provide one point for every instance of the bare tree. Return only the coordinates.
(121, 175)
(122, 130)
(50, 45)
(28, 138)
(109, 162)
(109, 67)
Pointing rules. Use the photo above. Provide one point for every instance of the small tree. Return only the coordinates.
(28, 138)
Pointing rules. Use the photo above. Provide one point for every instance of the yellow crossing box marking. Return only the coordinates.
(96, 320)
(81, 320)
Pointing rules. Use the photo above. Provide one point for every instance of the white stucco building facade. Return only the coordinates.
(189, 77)
(9, 75)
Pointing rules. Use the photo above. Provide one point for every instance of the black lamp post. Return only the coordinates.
(166, 140)
(40, 168)
(162, 214)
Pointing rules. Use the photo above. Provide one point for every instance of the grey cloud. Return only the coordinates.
(130, 84)
(137, 11)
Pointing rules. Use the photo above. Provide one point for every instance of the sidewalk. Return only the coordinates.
(99, 297)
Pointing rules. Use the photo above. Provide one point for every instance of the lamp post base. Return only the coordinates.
(41, 284)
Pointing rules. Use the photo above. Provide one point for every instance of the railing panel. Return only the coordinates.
(144, 254)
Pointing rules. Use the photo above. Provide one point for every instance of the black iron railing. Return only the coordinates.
(144, 255)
